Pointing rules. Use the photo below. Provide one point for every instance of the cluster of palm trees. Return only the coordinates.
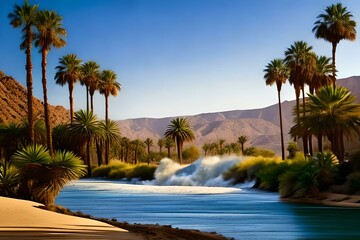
(44, 28)
(220, 148)
(301, 66)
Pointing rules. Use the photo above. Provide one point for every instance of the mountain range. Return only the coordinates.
(261, 126)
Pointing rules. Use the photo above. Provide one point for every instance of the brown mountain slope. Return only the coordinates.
(13, 102)
(261, 126)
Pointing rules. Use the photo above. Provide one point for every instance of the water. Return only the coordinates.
(241, 213)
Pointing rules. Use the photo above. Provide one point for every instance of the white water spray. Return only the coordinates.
(206, 171)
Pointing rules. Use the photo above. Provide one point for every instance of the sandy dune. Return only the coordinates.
(20, 219)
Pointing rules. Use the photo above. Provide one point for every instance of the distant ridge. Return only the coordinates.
(261, 126)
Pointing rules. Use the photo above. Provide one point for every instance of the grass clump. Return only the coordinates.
(121, 170)
(247, 169)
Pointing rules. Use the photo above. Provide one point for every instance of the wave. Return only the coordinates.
(207, 171)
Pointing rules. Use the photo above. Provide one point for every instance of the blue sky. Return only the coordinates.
(177, 57)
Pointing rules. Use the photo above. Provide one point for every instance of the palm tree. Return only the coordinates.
(108, 85)
(49, 34)
(161, 143)
(111, 133)
(301, 63)
(206, 148)
(42, 176)
(137, 145)
(322, 76)
(221, 144)
(149, 143)
(277, 72)
(242, 140)
(333, 113)
(179, 130)
(333, 26)
(87, 127)
(68, 72)
(24, 16)
(90, 74)
(169, 143)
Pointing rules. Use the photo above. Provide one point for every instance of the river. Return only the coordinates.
(241, 213)
(196, 197)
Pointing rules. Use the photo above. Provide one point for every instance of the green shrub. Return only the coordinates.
(299, 179)
(292, 148)
(268, 175)
(143, 172)
(257, 152)
(117, 173)
(120, 170)
(247, 169)
(191, 153)
(9, 179)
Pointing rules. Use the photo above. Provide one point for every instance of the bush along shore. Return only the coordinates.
(318, 179)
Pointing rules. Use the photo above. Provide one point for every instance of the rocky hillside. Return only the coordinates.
(13, 102)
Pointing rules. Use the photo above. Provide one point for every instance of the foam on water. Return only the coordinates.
(206, 171)
(94, 185)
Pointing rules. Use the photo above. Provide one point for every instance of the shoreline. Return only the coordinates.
(148, 231)
(328, 199)
(22, 219)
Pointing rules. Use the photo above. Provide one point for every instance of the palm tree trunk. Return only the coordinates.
(179, 150)
(29, 84)
(46, 106)
(106, 109)
(334, 45)
(99, 152)
(320, 142)
(71, 100)
(92, 102)
(88, 157)
(281, 129)
(169, 152)
(304, 137)
(106, 121)
(87, 98)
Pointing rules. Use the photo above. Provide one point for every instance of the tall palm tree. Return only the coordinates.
(49, 33)
(333, 26)
(24, 16)
(242, 140)
(301, 63)
(334, 113)
(108, 85)
(90, 75)
(68, 72)
(277, 72)
(179, 130)
(87, 127)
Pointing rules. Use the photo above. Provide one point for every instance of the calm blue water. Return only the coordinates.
(245, 214)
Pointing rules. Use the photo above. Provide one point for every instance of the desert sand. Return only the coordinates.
(20, 219)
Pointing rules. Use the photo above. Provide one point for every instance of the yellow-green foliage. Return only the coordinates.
(191, 153)
(247, 169)
(120, 170)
